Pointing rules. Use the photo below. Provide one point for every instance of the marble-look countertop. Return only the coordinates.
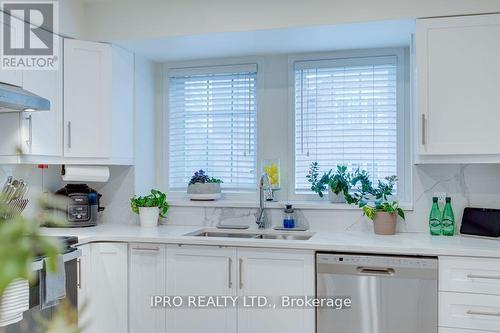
(355, 242)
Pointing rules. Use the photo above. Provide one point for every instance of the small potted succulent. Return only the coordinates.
(383, 211)
(204, 188)
(150, 208)
(337, 183)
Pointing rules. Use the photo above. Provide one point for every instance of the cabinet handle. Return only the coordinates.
(229, 272)
(155, 249)
(477, 276)
(423, 129)
(79, 277)
(69, 134)
(29, 142)
(240, 272)
(484, 313)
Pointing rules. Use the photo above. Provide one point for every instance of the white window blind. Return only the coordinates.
(212, 125)
(346, 113)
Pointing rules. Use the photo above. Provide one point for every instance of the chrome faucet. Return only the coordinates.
(265, 194)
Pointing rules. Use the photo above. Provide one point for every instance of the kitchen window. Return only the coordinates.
(350, 110)
(212, 125)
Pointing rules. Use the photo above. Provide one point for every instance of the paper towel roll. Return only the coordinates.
(85, 173)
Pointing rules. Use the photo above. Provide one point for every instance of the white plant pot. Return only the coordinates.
(336, 198)
(204, 191)
(148, 216)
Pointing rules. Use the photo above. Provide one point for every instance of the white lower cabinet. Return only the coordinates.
(275, 273)
(469, 294)
(201, 271)
(103, 289)
(459, 330)
(213, 271)
(146, 279)
(117, 280)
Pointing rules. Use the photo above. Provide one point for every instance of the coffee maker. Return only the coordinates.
(83, 205)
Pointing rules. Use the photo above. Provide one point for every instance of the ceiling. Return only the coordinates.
(390, 33)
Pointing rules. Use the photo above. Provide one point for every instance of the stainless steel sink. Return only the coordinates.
(223, 234)
(287, 236)
(290, 235)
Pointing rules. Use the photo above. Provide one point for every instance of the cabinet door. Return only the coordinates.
(87, 99)
(10, 138)
(107, 295)
(83, 267)
(147, 279)
(208, 271)
(458, 80)
(275, 273)
(42, 130)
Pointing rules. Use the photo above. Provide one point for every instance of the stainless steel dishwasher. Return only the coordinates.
(389, 294)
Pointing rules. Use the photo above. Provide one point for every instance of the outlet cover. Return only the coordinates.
(441, 197)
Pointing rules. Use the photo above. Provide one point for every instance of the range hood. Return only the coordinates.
(14, 98)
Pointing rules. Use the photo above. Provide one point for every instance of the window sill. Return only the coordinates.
(225, 203)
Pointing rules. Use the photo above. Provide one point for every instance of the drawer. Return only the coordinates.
(472, 275)
(459, 330)
(469, 311)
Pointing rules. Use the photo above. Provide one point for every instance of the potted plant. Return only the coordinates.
(204, 188)
(150, 208)
(337, 184)
(383, 212)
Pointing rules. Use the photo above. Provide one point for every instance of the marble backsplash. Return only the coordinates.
(467, 185)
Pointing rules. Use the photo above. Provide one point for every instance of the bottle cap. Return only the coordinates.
(434, 199)
(448, 199)
(288, 208)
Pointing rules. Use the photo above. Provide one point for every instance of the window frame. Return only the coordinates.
(164, 129)
(404, 131)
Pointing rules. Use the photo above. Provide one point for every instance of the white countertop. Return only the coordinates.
(359, 242)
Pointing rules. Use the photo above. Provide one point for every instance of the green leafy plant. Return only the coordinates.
(201, 177)
(390, 207)
(155, 199)
(337, 182)
(362, 188)
(381, 199)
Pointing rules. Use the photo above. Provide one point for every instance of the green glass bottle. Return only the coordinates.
(448, 219)
(435, 218)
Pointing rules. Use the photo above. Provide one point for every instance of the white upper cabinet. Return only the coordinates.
(41, 133)
(458, 83)
(98, 103)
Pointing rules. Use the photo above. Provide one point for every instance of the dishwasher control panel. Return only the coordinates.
(377, 260)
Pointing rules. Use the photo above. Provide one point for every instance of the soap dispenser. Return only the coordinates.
(289, 217)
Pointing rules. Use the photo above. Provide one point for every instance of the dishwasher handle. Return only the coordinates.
(385, 271)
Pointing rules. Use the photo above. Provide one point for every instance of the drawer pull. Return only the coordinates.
(489, 277)
(150, 249)
(483, 313)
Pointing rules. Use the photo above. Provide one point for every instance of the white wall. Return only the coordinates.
(132, 19)
(72, 18)
(144, 124)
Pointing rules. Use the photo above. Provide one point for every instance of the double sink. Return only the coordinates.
(252, 234)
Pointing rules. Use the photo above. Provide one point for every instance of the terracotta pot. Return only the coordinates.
(385, 223)
(336, 198)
